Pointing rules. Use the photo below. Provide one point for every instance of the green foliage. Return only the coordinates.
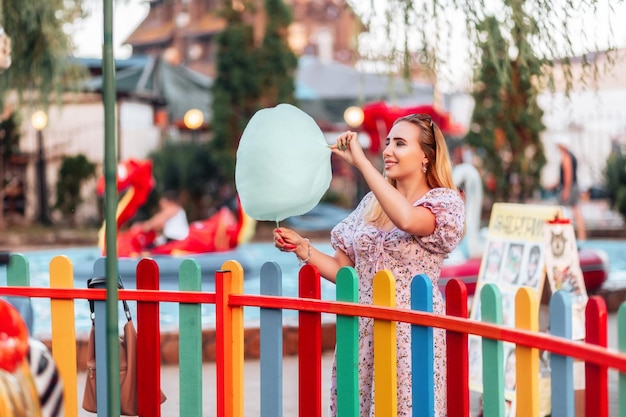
(40, 48)
(9, 138)
(192, 170)
(506, 123)
(73, 172)
(276, 60)
(237, 87)
(249, 77)
(9, 146)
(427, 33)
(615, 174)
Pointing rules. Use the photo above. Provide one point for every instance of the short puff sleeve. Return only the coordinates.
(449, 210)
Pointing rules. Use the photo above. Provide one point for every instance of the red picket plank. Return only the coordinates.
(457, 352)
(309, 346)
(148, 343)
(221, 304)
(596, 376)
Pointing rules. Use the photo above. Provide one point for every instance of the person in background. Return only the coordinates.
(408, 223)
(170, 222)
(568, 185)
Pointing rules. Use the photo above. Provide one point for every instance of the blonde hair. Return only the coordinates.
(439, 168)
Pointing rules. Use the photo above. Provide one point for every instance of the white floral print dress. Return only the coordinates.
(405, 256)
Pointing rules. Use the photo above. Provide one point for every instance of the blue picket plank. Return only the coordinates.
(100, 338)
(271, 335)
(422, 355)
(562, 367)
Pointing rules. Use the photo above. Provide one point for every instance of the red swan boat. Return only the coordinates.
(221, 232)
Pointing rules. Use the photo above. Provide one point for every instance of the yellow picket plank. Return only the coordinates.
(385, 361)
(527, 359)
(64, 333)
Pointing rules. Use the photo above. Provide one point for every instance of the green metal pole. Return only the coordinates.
(110, 207)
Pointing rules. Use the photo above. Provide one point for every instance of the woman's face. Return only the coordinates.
(403, 156)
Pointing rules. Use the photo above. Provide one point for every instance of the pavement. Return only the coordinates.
(252, 387)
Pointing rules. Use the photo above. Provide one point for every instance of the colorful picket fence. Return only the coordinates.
(230, 302)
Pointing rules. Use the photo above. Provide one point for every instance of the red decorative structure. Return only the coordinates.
(379, 118)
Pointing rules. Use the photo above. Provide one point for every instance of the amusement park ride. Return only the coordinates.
(221, 232)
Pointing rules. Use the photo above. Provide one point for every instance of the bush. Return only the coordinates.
(73, 172)
(615, 175)
(193, 171)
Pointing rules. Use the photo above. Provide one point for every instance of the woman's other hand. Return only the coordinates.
(349, 148)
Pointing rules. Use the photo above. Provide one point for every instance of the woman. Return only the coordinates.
(409, 222)
(568, 184)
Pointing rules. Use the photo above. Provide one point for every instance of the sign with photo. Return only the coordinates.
(564, 272)
(514, 256)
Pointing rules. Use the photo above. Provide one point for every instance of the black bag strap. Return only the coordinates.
(98, 282)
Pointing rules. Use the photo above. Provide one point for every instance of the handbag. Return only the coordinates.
(128, 365)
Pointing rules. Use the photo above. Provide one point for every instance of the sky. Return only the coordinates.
(128, 14)
(88, 34)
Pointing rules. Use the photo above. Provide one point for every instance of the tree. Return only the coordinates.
(506, 122)
(40, 48)
(437, 32)
(9, 146)
(73, 172)
(192, 170)
(237, 87)
(615, 175)
(277, 61)
(249, 76)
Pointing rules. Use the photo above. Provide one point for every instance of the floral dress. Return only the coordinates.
(405, 256)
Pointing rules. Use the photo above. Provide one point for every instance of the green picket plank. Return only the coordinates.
(347, 359)
(190, 341)
(18, 273)
(493, 369)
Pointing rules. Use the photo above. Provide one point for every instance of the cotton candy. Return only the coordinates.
(283, 164)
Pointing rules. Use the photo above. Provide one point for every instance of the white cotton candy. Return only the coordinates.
(283, 164)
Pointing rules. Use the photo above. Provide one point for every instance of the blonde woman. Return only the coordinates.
(408, 223)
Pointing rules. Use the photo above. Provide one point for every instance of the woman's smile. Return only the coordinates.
(389, 164)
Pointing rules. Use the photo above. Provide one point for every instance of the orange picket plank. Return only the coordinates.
(229, 337)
